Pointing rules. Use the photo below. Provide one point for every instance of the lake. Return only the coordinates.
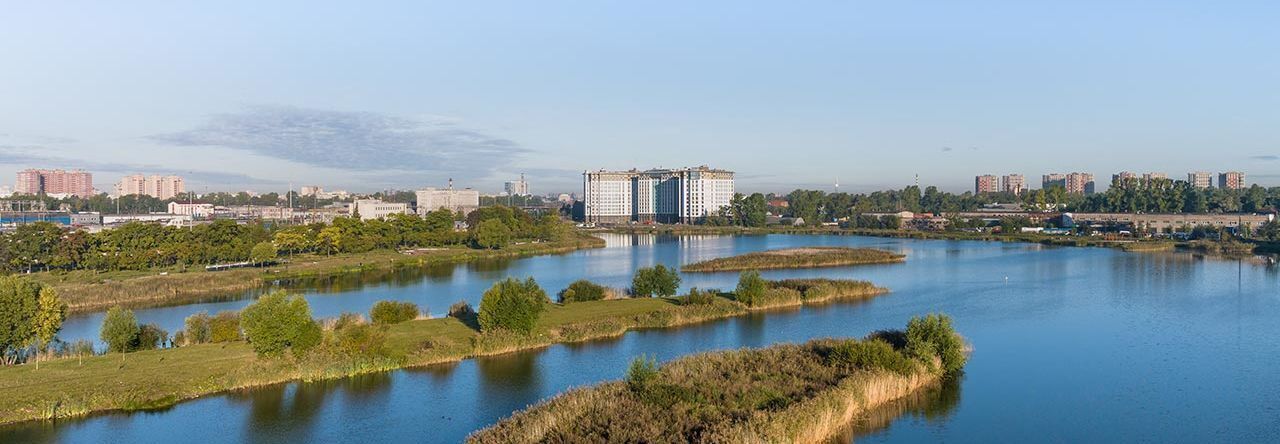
(1070, 345)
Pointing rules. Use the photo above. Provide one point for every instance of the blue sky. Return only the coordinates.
(788, 94)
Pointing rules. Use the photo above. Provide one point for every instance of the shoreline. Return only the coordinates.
(62, 389)
(145, 289)
(796, 258)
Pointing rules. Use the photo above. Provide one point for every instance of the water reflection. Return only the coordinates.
(933, 405)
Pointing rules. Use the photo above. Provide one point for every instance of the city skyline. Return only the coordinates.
(878, 93)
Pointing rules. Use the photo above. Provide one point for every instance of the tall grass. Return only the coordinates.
(806, 257)
(784, 393)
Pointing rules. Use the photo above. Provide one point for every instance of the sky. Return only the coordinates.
(373, 95)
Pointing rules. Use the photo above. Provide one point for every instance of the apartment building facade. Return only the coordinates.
(55, 182)
(1231, 180)
(686, 195)
(986, 183)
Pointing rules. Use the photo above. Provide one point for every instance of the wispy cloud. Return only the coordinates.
(354, 141)
(946, 149)
(24, 156)
(1265, 157)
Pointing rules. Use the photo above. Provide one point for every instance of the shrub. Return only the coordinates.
(657, 279)
(393, 312)
(119, 328)
(751, 288)
(699, 297)
(582, 290)
(512, 305)
(279, 321)
(872, 354)
(196, 329)
(352, 337)
(932, 336)
(225, 327)
(150, 337)
(642, 372)
(461, 310)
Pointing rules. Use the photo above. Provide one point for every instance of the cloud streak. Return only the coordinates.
(21, 155)
(1265, 157)
(353, 141)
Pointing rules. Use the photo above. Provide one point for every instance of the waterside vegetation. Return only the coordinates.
(784, 393)
(289, 345)
(806, 257)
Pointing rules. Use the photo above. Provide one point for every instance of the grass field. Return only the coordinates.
(70, 387)
(806, 257)
(86, 291)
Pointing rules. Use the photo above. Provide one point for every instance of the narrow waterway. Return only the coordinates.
(1070, 345)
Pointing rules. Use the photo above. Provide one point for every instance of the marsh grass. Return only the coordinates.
(784, 393)
(806, 257)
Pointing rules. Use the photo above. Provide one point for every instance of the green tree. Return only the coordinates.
(932, 336)
(754, 210)
(263, 252)
(119, 329)
(512, 305)
(50, 312)
(582, 290)
(492, 234)
(18, 310)
(658, 280)
(279, 321)
(751, 288)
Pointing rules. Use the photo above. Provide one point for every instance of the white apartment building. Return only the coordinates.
(1200, 179)
(160, 187)
(516, 187)
(377, 209)
(193, 210)
(667, 196)
(464, 200)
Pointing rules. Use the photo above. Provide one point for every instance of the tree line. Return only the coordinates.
(44, 246)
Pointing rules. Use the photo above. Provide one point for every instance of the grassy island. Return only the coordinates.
(806, 257)
(88, 290)
(785, 393)
(68, 387)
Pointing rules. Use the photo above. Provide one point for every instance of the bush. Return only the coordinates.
(393, 312)
(582, 290)
(225, 327)
(658, 280)
(352, 337)
(196, 330)
(751, 288)
(119, 329)
(279, 321)
(461, 310)
(150, 337)
(512, 305)
(872, 354)
(932, 336)
(699, 297)
(642, 373)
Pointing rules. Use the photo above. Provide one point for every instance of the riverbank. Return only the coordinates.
(1210, 247)
(783, 393)
(805, 257)
(88, 291)
(157, 378)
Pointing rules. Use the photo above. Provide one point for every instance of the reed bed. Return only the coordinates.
(783, 393)
(806, 257)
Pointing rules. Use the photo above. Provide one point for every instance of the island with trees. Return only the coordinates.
(804, 257)
(276, 338)
(784, 393)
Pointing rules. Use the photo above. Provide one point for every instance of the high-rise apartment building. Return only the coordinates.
(160, 187)
(517, 187)
(1231, 180)
(986, 183)
(1013, 183)
(55, 182)
(1073, 183)
(1200, 179)
(1080, 183)
(684, 195)
(464, 200)
(1121, 177)
(1053, 180)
